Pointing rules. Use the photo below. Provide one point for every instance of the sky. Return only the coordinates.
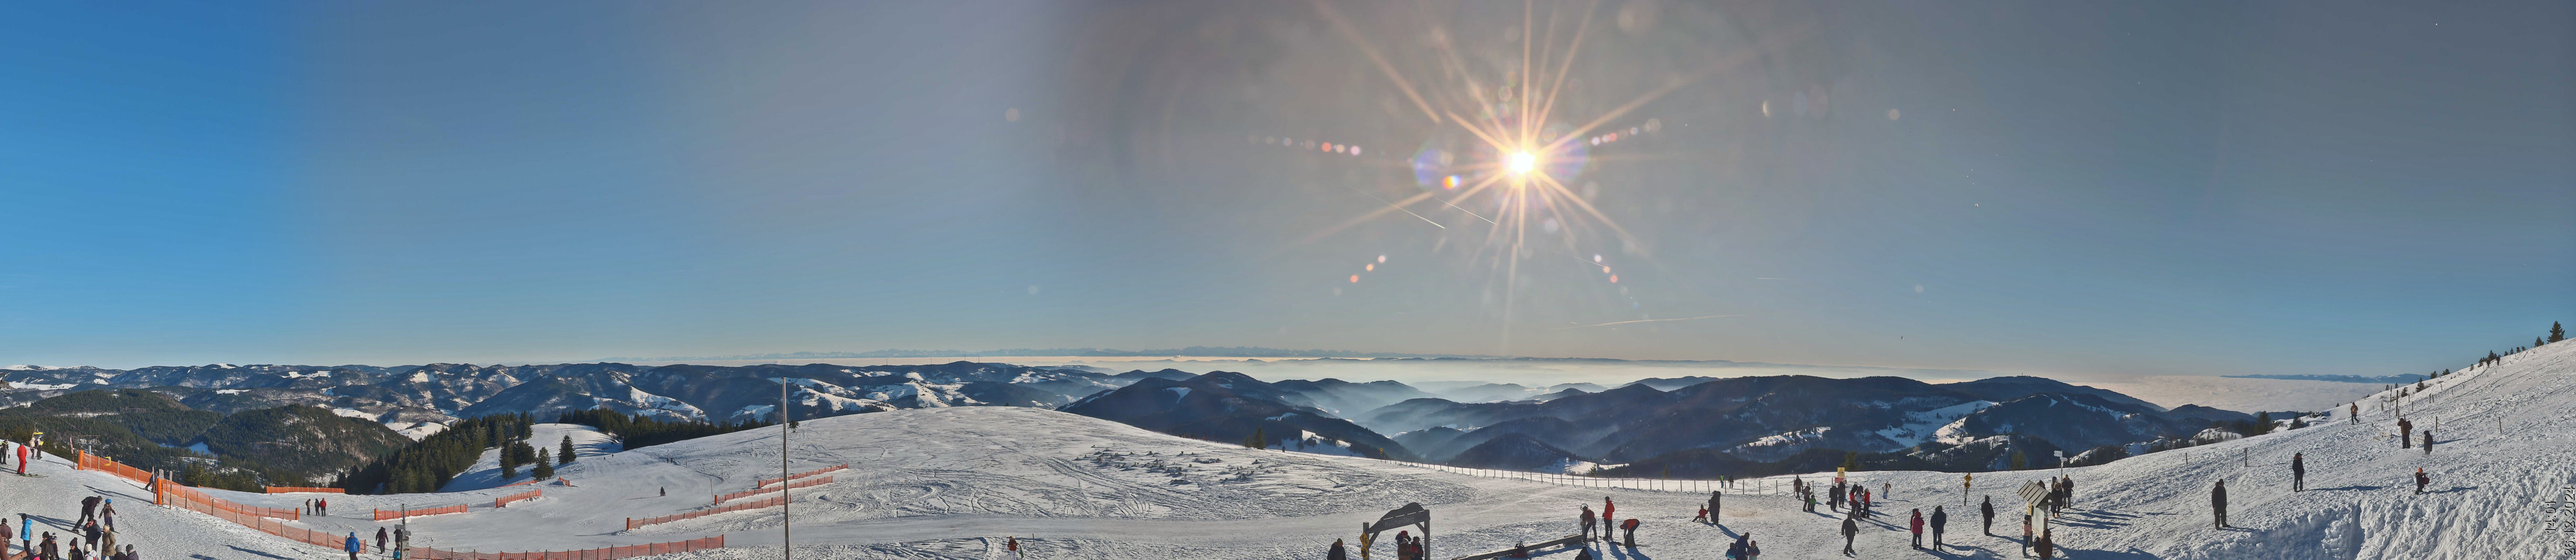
(2097, 189)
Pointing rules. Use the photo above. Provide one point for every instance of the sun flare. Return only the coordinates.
(1522, 162)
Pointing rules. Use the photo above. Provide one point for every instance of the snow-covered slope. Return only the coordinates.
(486, 472)
(953, 482)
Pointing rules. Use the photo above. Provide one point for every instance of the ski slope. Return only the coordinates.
(953, 482)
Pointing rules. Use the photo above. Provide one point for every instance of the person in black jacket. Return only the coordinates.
(2218, 503)
(1337, 553)
(2298, 472)
(1851, 529)
(1940, 519)
(2405, 433)
(1987, 510)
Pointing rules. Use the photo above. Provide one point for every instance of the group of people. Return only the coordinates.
(402, 542)
(95, 536)
(317, 507)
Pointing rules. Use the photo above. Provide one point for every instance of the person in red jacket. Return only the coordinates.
(1630, 527)
(1609, 514)
(1917, 527)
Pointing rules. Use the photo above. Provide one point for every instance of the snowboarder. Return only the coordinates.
(1916, 526)
(380, 540)
(2405, 433)
(2047, 546)
(1629, 527)
(1713, 506)
(2218, 503)
(2298, 472)
(1940, 521)
(2421, 480)
(1987, 511)
(352, 545)
(1587, 523)
(1851, 528)
(2428, 441)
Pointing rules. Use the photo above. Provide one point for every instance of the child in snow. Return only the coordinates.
(1916, 526)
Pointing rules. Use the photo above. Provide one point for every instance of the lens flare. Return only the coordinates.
(1523, 162)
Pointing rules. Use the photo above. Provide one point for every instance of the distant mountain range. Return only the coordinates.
(1728, 425)
(1217, 351)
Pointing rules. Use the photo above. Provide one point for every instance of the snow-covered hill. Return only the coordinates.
(952, 482)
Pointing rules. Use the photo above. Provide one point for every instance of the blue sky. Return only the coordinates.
(2101, 189)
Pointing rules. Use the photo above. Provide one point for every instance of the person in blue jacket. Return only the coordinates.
(353, 546)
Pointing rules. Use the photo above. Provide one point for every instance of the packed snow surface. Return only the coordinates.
(951, 483)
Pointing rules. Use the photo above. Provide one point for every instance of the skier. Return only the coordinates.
(107, 514)
(352, 545)
(380, 540)
(1337, 552)
(2405, 433)
(2421, 480)
(1587, 523)
(2047, 546)
(2298, 472)
(2428, 441)
(1940, 521)
(1916, 526)
(1713, 506)
(22, 460)
(1851, 528)
(1630, 527)
(89, 510)
(1987, 511)
(2218, 503)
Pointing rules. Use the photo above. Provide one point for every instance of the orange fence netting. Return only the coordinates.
(756, 492)
(295, 489)
(390, 514)
(768, 481)
(266, 520)
(504, 501)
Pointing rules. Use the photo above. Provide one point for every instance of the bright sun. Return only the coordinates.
(1522, 162)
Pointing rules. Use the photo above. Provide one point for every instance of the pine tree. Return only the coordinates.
(545, 465)
(2019, 462)
(1851, 460)
(2557, 333)
(566, 455)
(508, 471)
(2262, 423)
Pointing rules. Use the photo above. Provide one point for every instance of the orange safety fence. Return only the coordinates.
(390, 514)
(266, 520)
(768, 481)
(295, 489)
(504, 501)
(608, 553)
(175, 495)
(759, 491)
(633, 523)
(88, 462)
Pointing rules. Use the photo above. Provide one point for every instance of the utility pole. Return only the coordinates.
(786, 538)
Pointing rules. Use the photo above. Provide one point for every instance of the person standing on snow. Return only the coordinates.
(89, 510)
(1916, 526)
(1587, 523)
(2218, 503)
(2405, 433)
(1887, 489)
(2298, 472)
(1337, 552)
(1987, 511)
(352, 545)
(2047, 546)
(2355, 415)
(380, 540)
(1851, 529)
(2025, 534)
(1940, 520)
(1713, 508)
(1609, 514)
(2421, 480)
(2428, 441)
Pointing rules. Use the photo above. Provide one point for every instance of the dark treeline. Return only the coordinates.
(428, 464)
(637, 430)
